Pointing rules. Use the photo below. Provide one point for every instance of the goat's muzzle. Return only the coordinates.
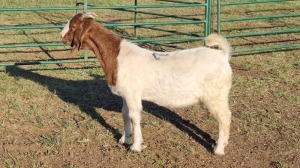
(65, 40)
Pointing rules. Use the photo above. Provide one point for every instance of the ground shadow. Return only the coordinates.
(86, 94)
(91, 94)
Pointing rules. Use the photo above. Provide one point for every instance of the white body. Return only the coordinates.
(174, 79)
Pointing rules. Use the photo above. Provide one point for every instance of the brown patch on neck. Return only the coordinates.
(104, 44)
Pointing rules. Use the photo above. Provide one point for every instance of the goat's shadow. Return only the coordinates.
(91, 94)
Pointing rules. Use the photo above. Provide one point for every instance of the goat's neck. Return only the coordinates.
(106, 47)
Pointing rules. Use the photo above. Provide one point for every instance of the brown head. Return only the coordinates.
(69, 29)
(84, 32)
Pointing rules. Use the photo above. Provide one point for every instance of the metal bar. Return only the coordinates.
(166, 39)
(48, 62)
(146, 6)
(85, 6)
(31, 45)
(153, 23)
(254, 2)
(39, 9)
(263, 33)
(219, 16)
(177, 1)
(104, 24)
(167, 45)
(169, 31)
(31, 27)
(158, 14)
(261, 17)
(205, 18)
(208, 17)
(282, 47)
(135, 14)
(158, 40)
(135, 41)
(102, 7)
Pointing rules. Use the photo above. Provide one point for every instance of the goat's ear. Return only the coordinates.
(89, 15)
(76, 42)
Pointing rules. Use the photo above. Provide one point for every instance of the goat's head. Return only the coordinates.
(67, 33)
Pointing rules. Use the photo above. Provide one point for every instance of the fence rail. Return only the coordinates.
(220, 21)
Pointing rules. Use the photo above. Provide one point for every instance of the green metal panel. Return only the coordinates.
(220, 21)
(136, 9)
(183, 20)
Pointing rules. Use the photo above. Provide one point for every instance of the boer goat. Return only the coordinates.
(173, 79)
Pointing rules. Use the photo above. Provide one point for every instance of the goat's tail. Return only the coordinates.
(220, 41)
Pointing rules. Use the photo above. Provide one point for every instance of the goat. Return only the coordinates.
(172, 79)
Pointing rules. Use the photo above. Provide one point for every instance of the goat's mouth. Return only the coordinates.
(65, 41)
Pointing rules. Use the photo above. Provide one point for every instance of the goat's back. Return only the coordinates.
(175, 79)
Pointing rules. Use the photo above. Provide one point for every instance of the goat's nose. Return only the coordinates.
(62, 38)
(61, 35)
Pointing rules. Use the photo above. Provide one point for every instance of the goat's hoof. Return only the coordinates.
(219, 152)
(136, 148)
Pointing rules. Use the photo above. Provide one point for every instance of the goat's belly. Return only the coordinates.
(172, 90)
(175, 99)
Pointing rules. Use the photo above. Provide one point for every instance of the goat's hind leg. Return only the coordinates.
(220, 110)
(125, 139)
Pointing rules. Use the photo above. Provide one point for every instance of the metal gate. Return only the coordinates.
(275, 12)
(137, 10)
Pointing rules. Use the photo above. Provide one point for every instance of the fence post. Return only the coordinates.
(135, 14)
(208, 13)
(85, 7)
(219, 16)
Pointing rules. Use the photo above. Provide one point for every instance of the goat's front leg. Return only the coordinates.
(135, 107)
(125, 139)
